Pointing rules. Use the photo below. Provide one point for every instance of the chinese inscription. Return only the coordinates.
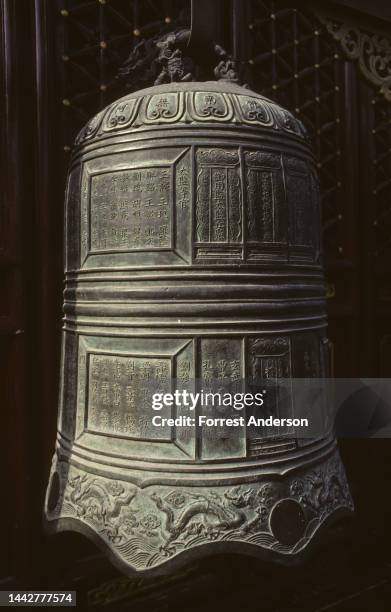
(131, 210)
(219, 206)
(221, 372)
(183, 187)
(120, 393)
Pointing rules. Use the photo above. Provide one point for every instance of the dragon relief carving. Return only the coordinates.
(321, 489)
(212, 514)
(102, 503)
(146, 526)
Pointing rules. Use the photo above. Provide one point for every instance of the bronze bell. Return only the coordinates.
(192, 250)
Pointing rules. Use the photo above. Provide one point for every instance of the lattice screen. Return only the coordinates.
(297, 63)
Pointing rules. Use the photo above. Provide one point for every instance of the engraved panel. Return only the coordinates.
(298, 197)
(266, 204)
(185, 375)
(136, 208)
(301, 207)
(131, 210)
(269, 361)
(68, 388)
(183, 204)
(219, 204)
(120, 395)
(117, 377)
(307, 361)
(72, 221)
(310, 360)
(221, 365)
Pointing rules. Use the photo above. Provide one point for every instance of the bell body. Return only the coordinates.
(192, 252)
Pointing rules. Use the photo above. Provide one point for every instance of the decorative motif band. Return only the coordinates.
(145, 528)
